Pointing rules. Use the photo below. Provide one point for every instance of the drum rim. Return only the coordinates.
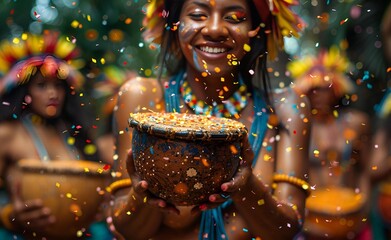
(335, 212)
(234, 130)
(84, 167)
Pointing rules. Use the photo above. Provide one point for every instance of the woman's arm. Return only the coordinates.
(279, 216)
(131, 216)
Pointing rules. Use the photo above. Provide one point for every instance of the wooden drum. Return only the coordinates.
(185, 157)
(72, 189)
(334, 213)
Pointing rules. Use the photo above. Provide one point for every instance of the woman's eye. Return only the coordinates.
(236, 17)
(198, 16)
(41, 84)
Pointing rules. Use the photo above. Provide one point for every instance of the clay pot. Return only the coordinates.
(335, 212)
(185, 157)
(72, 189)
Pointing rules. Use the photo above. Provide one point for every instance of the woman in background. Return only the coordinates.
(42, 118)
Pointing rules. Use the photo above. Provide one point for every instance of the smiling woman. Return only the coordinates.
(213, 62)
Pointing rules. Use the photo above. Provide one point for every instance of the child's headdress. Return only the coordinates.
(53, 55)
(329, 68)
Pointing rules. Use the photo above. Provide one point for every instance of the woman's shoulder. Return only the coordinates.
(140, 91)
(8, 130)
(356, 119)
(289, 104)
(139, 84)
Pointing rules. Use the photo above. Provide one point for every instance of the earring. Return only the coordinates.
(27, 99)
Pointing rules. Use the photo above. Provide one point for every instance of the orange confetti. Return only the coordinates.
(181, 188)
(343, 21)
(205, 162)
(233, 149)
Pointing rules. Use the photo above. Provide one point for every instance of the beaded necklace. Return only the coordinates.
(227, 108)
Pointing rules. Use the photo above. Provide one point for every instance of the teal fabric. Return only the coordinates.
(99, 231)
(212, 221)
(377, 224)
(379, 227)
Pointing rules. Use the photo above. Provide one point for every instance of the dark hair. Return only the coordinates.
(171, 58)
(12, 108)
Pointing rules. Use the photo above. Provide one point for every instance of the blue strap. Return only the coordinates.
(43, 154)
(212, 222)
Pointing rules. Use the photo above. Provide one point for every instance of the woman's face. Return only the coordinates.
(322, 98)
(213, 35)
(47, 95)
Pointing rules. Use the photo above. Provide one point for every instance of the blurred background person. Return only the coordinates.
(43, 117)
(338, 206)
(380, 167)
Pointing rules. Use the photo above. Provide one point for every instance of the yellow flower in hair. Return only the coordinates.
(154, 21)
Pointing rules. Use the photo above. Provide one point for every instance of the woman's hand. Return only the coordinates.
(140, 187)
(30, 215)
(237, 182)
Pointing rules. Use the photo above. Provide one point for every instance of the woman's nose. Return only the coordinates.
(53, 92)
(215, 29)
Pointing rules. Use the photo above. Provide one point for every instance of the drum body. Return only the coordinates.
(334, 213)
(72, 189)
(185, 157)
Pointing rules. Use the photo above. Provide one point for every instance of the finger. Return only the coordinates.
(16, 194)
(130, 163)
(141, 186)
(247, 153)
(238, 181)
(219, 198)
(40, 222)
(31, 216)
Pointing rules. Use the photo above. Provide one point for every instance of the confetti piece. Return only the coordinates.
(343, 21)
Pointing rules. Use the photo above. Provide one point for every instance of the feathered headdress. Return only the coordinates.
(278, 21)
(329, 68)
(52, 54)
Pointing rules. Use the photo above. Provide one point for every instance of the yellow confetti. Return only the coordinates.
(71, 141)
(266, 157)
(148, 72)
(75, 24)
(246, 47)
(261, 202)
(90, 149)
